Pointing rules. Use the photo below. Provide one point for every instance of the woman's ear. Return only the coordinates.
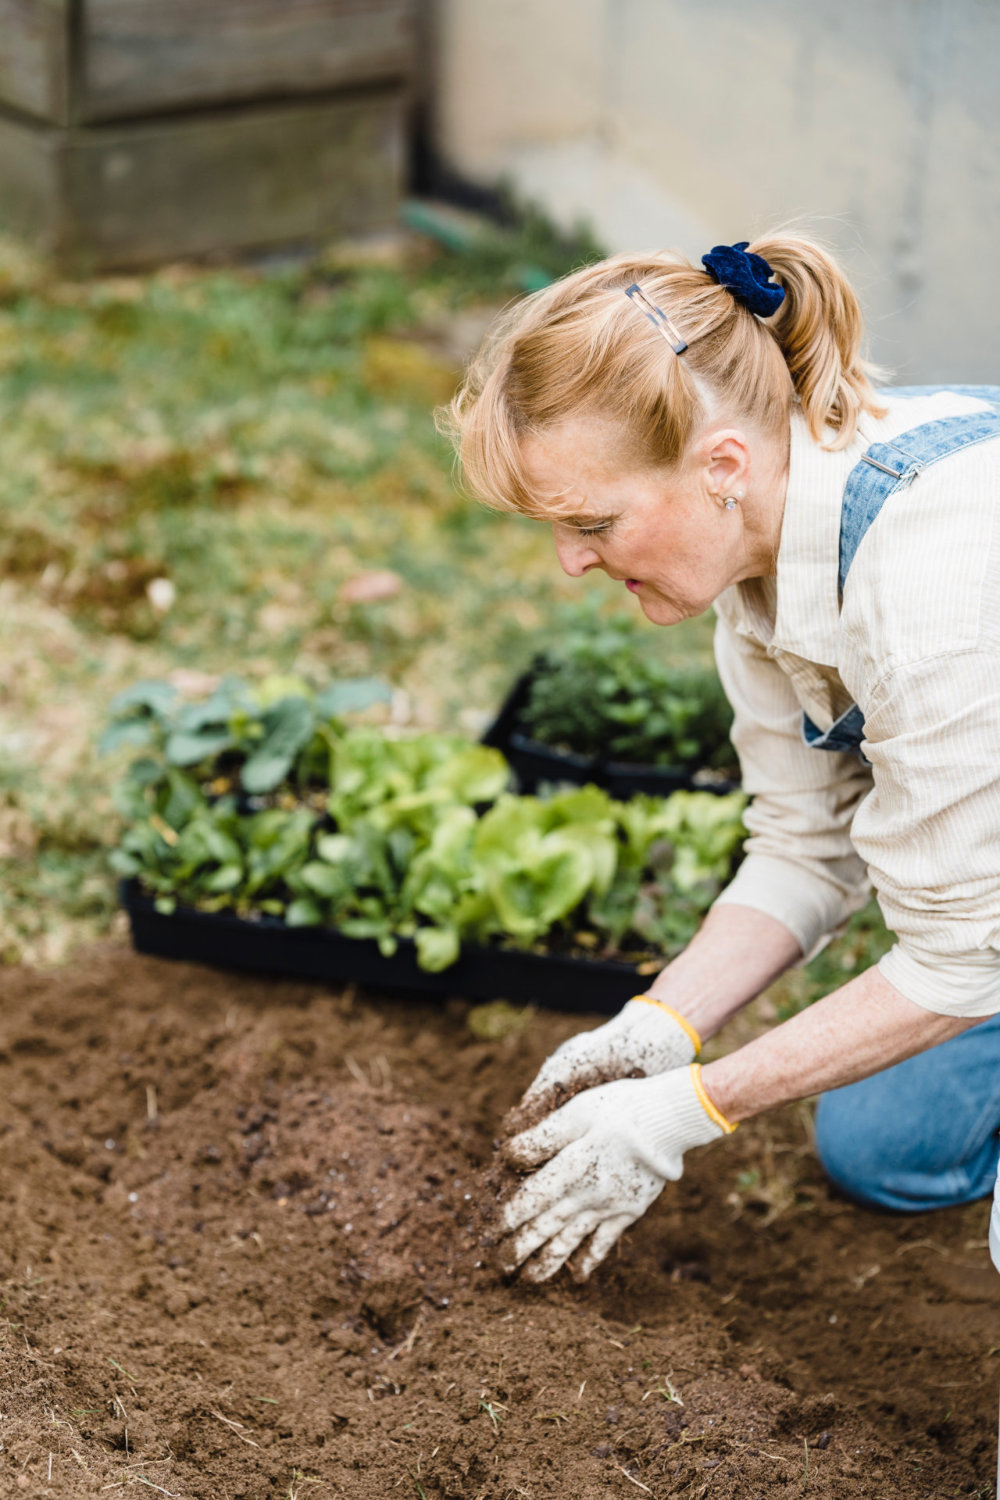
(725, 462)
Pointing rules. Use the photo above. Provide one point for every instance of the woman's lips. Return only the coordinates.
(633, 585)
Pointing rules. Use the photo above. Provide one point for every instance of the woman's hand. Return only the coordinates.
(645, 1037)
(607, 1155)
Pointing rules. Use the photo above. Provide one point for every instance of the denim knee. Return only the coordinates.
(883, 1165)
(845, 1150)
(922, 1134)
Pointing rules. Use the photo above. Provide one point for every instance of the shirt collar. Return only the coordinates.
(807, 618)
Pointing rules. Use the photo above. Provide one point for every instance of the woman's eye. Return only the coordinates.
(598, 530)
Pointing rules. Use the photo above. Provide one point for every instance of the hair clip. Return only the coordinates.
(657, 317)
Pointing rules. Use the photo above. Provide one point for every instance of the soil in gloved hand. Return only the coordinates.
(500, 1180)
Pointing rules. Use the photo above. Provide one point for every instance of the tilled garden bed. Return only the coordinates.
(239, 1259)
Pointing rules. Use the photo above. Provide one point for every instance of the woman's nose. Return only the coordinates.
(576, 555)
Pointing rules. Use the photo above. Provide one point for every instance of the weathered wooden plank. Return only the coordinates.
(143, 56)
(128, 195)
(29, 181)
(34, 43)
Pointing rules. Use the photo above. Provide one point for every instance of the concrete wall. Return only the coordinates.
(874, 123)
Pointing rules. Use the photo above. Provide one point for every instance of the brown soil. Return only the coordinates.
(237, 1258)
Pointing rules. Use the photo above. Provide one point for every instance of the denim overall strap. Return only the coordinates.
(989, 393)
(885, 468)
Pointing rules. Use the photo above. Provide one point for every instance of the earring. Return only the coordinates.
(729, 504)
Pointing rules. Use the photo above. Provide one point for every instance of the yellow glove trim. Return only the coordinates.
(706, 1103)
(682, 1023)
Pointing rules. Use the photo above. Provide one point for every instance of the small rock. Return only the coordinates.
(161, 594)
(369, 588)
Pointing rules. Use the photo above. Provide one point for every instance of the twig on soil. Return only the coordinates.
(152, 1112)
(628, 1476)
(406, 1347)
(388, 1228)
(356, 1071)
(141, 1479)
(124, 1413)
(235, 1426)
(924, 1245)
(685, 1440)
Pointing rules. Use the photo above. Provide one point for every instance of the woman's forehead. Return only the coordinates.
(575, 466)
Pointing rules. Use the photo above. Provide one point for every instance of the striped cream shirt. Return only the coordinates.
(916, 644)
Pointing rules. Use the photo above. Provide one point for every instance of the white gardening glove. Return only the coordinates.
(607, 1154)
(645, 1036)
(995, 1226)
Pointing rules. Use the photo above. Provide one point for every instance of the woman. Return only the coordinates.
(711, 435)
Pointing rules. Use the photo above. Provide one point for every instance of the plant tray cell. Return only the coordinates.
(267, 945)
(535, 762)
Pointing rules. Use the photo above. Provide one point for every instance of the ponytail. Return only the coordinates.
(820, 330)
(580, 348)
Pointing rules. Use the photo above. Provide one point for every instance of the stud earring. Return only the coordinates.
(729, 504)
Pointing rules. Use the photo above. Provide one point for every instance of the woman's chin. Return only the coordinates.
(662, 611)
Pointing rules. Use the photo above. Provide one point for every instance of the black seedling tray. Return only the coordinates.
(535, 762)
(266, 945)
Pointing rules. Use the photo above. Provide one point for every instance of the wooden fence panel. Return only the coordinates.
(130, 195)
(144, 56)
(34, 46)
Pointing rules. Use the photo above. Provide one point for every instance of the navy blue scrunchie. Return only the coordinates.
(746, 276)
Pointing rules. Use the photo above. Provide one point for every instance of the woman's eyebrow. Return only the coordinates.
(587, 519)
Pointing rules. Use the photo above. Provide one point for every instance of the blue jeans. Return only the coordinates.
(923, 1134)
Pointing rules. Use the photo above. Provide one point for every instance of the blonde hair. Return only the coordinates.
(580, 348)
